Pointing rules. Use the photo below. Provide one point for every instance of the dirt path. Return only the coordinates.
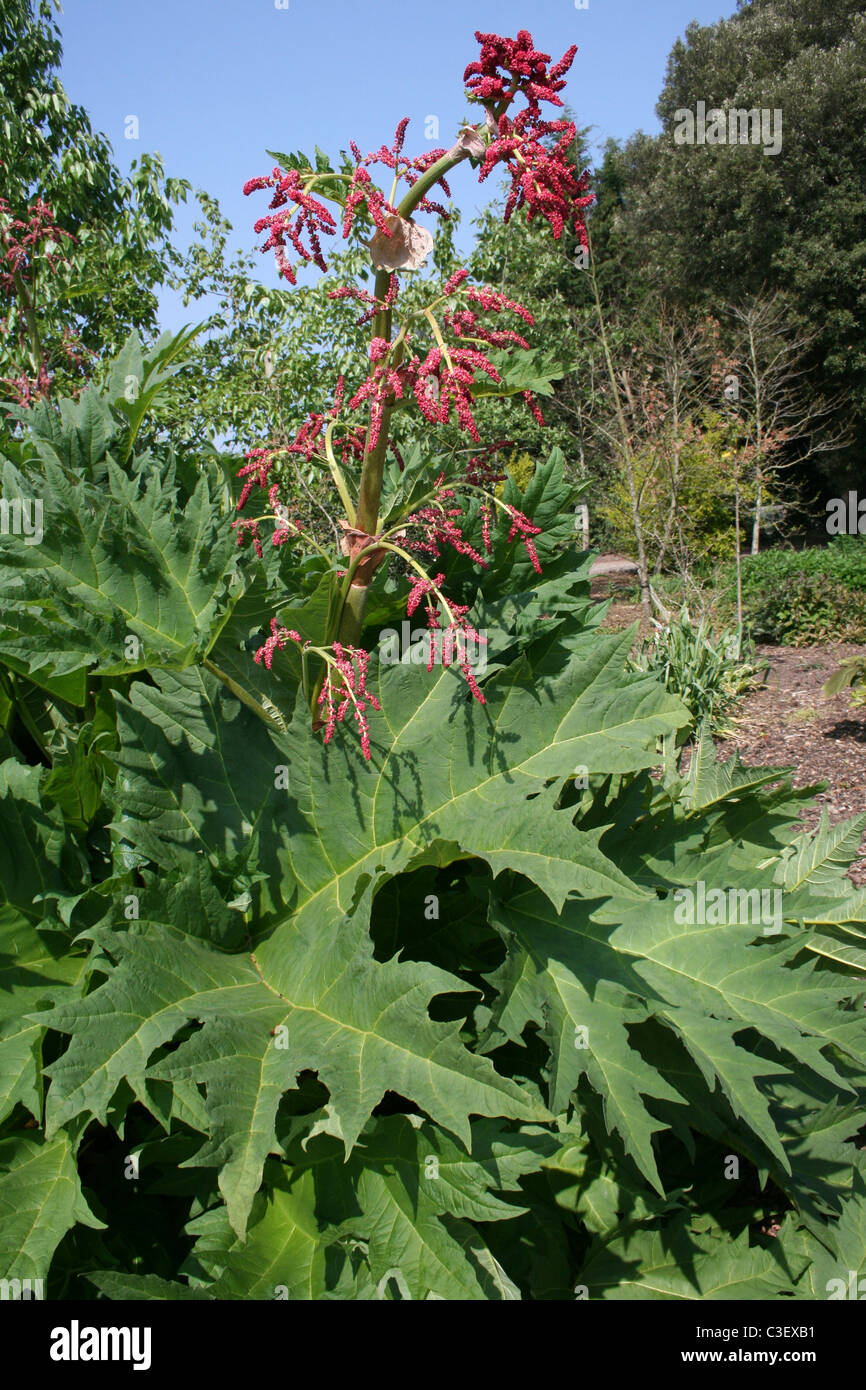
(787, 723)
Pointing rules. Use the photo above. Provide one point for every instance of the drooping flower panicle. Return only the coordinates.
(542, 178)
(348, 691)
(308, 217)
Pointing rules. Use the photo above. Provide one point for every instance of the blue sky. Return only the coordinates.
(214, 83)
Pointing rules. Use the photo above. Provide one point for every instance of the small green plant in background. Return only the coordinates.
(852, 673)
(795, 598)
(710, 673)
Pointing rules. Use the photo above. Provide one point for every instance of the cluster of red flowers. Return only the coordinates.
(307, 215)
(439, 528)
(303, 223)
(257, 471)
(278, 639)
(482, 470)
(21, 239)
(351, 663)
(456, 637)
(338, 695)
(409, 170)
(542, 177)
(257, 474)
(459, 635)
(384, 384)
(20, 243)
(438, 524)
(374, 305)
(526, 69)
(25, 389)
(437, 386)
(443, 378)
(363, 190)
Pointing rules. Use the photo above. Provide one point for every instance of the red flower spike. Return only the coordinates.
(534, 407)
(492, 300)
(363, 190)
(455, 281)
(364, 297)
(439, 528)
(21, 246)
(523, 527)
(420, 588)
(278, 638)
(486, 522)
(308, 216)
(249, 527)
(351, 664)
(483, 471)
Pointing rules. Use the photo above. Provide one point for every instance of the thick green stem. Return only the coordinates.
(352, 624)
(374, 461)
(370, 490)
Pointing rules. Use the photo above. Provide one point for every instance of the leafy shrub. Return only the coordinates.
(843, 559)
(710, 674)
(442, 1010)
(796, 597)
(800, 609)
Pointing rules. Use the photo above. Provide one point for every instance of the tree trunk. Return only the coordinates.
(583, 518)
(756, 524)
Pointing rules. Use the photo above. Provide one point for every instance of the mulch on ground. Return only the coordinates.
(788, 723)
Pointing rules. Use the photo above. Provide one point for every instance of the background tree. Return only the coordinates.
(709, 222)
(117, 250)
(780, 419)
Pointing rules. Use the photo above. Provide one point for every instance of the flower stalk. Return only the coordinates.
(441, 377)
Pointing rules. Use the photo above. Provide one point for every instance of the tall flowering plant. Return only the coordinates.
(416, 1016)
(431, 360)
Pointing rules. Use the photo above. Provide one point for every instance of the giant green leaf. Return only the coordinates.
(676, 1263)
(35, 968)
(405, 1198)
(40, 1200)
(360, 1023)
(590, 976)
(124, 577)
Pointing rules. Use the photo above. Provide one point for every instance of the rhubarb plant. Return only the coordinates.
(342, 961)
